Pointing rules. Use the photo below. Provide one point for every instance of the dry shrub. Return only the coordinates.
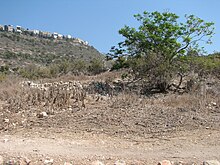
(195, 100)
(9, 87)
(127, 100)
(44, 96)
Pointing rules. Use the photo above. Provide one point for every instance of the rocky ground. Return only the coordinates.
(44, 147)
(123, 129)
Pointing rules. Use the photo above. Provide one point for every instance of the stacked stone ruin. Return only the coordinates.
(54, 95)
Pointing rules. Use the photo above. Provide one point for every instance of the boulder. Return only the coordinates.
(48, 162)
(97, 163)
(42, 114)
(211, 162)
(120, 162)
(165, 162)
(1, 160)
(67, 163)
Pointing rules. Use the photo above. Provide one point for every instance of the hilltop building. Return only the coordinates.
(18, 29)
(38, 33)
(1, 28)
(8, 28)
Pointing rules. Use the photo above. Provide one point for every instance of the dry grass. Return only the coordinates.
(124, 100)
(9, 87)
(197, 99)
(125, 113)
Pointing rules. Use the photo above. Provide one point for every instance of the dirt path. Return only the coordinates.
(193, 146)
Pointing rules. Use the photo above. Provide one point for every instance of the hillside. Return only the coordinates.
(20, 49)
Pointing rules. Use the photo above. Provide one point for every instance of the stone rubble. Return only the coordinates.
(211, 162)
(120, 162)
(1, 160)
(97, 163)
(50, 161)
(164, 162)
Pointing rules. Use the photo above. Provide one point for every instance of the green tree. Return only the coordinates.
(96, 66)
(154, 48)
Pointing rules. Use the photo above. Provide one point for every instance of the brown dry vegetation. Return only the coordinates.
(115, 116)
(125, 113)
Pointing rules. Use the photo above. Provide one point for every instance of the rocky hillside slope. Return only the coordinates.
(20, 49)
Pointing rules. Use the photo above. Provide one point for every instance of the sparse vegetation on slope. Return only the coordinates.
(34, 57)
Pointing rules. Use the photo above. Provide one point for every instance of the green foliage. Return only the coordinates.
(206, 64)
(2, 77)
(34, 72)
(120, 62)
(53, 70)
(153, 49)
(64, 67)
(8, 55)
(4, 68)
(79, 66)
(96, 66)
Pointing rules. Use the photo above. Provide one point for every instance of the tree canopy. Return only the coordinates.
(160, 38)
(163, 33)
(153, 48)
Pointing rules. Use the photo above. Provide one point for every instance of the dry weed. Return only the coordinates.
(127, 100)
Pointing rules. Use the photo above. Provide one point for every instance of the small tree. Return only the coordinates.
(155, 47)
(96, 66)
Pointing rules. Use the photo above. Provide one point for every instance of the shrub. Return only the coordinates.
(96, 66)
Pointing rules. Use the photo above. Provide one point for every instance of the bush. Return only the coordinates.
(96, 66)
(4, 69)
(35, 72)
(79, 66)
(2, 77)
(207, 64)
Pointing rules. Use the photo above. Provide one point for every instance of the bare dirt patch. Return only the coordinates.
(127, 127)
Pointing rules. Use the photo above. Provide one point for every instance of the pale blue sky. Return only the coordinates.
(98, 21)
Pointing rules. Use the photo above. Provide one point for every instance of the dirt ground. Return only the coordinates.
(85, 148)
(127, 127)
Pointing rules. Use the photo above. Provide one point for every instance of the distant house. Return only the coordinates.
(68, 36)
(8, 28)
(45, 34)
(55, 35)
(81, 41)
(30, 32)
(48, 35)
(18, 29)
(60, 36)
(1, 28)
(36, 32)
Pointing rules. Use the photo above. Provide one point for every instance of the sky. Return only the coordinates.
(98, 21)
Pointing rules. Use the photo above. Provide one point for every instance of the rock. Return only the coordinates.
(6, 120)
(214, 103)
(97, 163)
(211, 162)
(164, 162)
(120, 162)
(42, 114)
(48, 162)
(10, 162)
(1, 160)
(67, 163)
(27, 161)
(22, 162)
(183, 163)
